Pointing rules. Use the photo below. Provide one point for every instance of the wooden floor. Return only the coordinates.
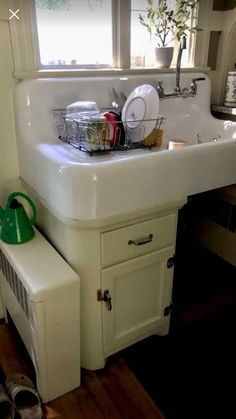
(111, 393)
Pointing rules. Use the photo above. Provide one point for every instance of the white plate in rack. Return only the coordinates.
(140, 112)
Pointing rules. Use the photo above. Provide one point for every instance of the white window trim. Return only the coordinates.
(25, 48)
(117, 8)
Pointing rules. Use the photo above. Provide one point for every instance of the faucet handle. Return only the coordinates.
(198, 79)
(193, 85)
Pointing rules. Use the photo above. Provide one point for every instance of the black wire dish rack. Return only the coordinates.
(96, 133)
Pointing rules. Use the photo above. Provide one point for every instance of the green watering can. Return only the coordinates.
(16, 226)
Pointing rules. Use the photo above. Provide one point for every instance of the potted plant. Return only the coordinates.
(167, 24)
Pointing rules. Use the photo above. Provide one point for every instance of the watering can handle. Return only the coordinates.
(14, 194)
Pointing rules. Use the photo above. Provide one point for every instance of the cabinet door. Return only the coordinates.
(140, 289)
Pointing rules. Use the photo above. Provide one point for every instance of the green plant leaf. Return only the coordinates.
(162, 21)
(53, 4)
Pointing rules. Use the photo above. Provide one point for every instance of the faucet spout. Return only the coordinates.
(178, 65)
(178, 91)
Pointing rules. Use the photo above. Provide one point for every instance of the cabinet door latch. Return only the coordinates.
(105, 297)
(168, 309)
(171, 262)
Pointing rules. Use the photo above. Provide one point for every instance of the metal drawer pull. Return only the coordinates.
(141, 241)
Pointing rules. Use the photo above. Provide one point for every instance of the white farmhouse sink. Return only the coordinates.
(83, 187)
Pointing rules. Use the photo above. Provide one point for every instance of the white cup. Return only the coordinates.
(173, 144)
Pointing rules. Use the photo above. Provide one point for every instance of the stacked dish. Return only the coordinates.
(140, 113)
(116, 128)
(89, 129)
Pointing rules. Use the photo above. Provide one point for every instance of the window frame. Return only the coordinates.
(26, 52)
(78, 66)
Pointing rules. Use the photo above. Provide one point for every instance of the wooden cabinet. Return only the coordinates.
(136, 280)
(126, 273)
(140, 290)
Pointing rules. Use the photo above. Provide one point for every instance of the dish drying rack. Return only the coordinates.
(95, 133)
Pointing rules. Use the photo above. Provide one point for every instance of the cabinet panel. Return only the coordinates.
(140, 290)
(138, 239)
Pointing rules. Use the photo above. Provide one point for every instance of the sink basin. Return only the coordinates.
(83, 187)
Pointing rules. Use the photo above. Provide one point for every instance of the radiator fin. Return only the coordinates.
(16, 285)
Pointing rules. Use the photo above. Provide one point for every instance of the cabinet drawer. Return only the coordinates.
(138, 239)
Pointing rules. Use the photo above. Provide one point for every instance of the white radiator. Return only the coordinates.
(41, 293)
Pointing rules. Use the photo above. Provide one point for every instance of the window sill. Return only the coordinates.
(38, 74)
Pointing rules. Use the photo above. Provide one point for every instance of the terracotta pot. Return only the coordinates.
(164, 56)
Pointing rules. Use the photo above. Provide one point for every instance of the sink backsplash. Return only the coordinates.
(35, 100)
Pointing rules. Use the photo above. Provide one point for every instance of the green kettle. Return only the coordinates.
(16, 226)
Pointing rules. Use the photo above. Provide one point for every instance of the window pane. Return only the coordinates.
(74, 32)
(142, 45)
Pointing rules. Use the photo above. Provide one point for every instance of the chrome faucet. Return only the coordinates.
(182, 46)
(178, 92)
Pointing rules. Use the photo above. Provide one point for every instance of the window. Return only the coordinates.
(142, 45)
(141, 50)
(71, 34)
(74, 33)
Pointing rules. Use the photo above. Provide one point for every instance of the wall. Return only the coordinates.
(8, 156)
(225, 22)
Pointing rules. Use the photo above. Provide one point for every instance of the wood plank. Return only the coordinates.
(88, 407)
(13, 354)
(101, 397)
(127, 393)
(111, 393)
(65, 407)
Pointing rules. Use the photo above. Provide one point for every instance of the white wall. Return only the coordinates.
(8, 158)
(226, 57)
(8, 155)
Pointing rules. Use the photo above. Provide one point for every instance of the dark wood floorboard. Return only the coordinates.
(111, 393)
